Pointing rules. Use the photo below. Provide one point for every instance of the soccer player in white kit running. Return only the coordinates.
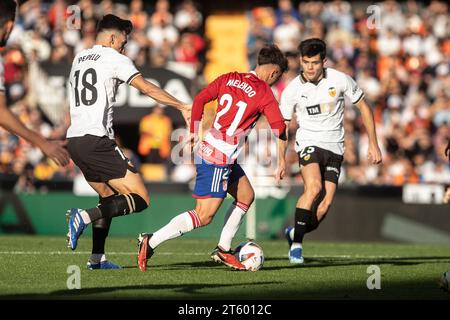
(95, 76)
(317, 98)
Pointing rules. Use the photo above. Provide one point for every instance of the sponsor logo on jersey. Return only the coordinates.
(313, 110)
(205, 149)
(321, 108)
(332, 92)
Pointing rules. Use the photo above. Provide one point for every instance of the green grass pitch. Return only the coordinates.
(35, 267)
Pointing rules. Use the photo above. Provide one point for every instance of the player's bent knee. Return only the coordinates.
(313, 189)
(143, 196)
(250, 199)
(247, 200)
(204, 216)
(141, 192)
(205, 220)
(139, 203)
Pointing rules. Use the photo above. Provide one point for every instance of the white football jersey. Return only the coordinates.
(319, 109)
(2, 77)
(95, 76)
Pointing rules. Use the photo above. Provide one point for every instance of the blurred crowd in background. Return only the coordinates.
(398, 52)
(50, 32)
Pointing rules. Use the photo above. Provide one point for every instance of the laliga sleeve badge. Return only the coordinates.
(307, 157)
(225, 185)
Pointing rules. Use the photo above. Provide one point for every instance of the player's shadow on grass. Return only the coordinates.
(337, 261)
(320, 262)
(181, 265)
(189, 289)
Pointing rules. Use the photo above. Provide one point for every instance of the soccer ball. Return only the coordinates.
(250, 254)
(444, 282)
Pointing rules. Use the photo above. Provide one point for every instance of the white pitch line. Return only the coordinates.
(186, 254)
(88, 252)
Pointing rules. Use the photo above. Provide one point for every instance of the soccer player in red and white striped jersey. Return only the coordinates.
(242, 99)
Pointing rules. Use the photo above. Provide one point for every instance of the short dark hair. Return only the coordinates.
(312, 47)
(7, 11)
(111, 21)
(271, 54)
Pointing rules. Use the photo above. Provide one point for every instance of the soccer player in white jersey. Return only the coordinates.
(316, 97)
(53, 150)
(94, 78)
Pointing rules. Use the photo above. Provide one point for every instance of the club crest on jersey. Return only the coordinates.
(332, 92)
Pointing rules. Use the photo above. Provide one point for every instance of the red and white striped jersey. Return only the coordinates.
(242, 98)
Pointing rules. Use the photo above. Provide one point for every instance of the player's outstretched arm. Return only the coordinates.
(162, 96)
(282, 147)
(278, 125)
(374, 153)
(10, 122)
(207, 94)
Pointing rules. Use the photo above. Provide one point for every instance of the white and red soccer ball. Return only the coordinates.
(250, 254)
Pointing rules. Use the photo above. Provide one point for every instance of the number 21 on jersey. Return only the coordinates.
(226, 101)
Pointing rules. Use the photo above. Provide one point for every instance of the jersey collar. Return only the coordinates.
(304, 80)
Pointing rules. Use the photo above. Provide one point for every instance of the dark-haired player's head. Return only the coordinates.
(7, 17)
(112, 31)
(313, 54)
(271, 64)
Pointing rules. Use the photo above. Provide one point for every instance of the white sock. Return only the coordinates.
(85, 216)
(296, 245)
(233, 220)
(291, 234)
(179, 225)
(97, 258)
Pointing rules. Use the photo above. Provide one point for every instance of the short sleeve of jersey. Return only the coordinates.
(124, 69)
(352, 91)
(288, 101)
(269, 102)
(271, 110)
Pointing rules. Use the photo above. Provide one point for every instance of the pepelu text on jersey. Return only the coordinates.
(248, 89)
(93, 57)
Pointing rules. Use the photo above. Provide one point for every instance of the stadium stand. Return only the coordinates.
(402, 64)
